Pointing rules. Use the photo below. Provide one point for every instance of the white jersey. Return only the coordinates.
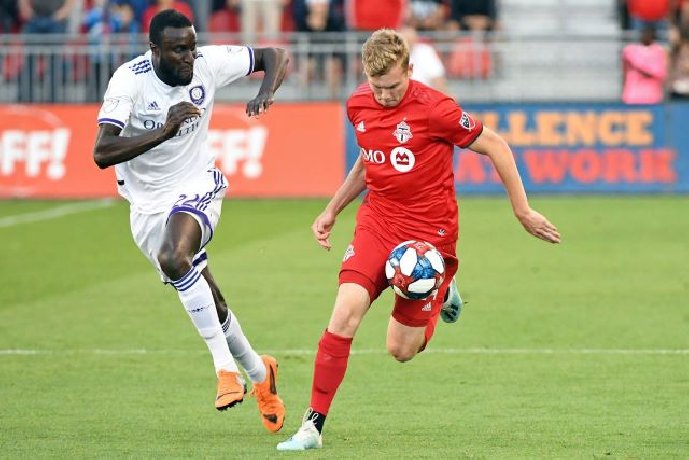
(138, 101)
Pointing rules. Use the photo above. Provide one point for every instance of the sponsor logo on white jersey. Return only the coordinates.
(153, 106)
(403, 132)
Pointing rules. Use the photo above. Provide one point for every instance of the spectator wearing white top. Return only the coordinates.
(264, 16)
(427, 66)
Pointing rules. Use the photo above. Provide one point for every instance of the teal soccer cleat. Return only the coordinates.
(307, 437)
(452, 307)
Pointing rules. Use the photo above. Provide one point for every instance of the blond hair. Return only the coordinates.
(383, 50)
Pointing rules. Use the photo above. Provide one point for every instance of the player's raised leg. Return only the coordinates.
(261, 370)
(181, 241)
(404, 342)
(413, 322)
(270, 406)
(330, 365)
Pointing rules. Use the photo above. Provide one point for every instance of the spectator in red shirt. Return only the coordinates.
(367, 15)
(161, 5)
(644, 13)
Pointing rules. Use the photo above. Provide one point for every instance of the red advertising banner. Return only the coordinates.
(293, 151)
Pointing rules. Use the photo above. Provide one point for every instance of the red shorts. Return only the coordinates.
(364, 264)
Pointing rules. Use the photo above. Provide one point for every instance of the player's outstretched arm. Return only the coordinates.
(353, 185)
(491, 144)
(111, 148)
(272, 61)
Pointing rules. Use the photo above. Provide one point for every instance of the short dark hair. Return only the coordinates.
(166, 18)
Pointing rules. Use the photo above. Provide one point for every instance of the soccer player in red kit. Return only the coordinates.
(406, 132)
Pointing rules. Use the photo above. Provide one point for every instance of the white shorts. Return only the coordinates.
(201, 199)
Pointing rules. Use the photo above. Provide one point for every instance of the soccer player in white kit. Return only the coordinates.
(153, 126)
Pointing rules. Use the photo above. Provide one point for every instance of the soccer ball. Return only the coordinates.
(415, 269)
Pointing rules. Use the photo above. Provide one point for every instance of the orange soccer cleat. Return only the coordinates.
(270, 405)
(231, 390)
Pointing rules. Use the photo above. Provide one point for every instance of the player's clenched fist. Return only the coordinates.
(259, 104)
(177, 114)
(321, 229)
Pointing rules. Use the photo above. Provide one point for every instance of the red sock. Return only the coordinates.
(329, 370)
(430, 329)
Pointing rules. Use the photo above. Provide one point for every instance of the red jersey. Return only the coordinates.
(649, 10)
(152, 10)
(370, 15)
(407, 155)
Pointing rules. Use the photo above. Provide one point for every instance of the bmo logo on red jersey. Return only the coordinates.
(401, 158)
(372, 156)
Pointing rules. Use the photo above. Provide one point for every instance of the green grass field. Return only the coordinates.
(572, 351)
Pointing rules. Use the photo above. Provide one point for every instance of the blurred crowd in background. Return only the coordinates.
(264, 18)
(655, 65)
(659, 63)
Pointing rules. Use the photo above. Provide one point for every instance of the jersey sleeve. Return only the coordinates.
(228, 62)
(119, 99)
(450, 123)
(349, 111)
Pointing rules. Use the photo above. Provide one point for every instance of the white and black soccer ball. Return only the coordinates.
(415, 269)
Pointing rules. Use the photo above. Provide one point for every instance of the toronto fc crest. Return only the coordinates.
(403, 132)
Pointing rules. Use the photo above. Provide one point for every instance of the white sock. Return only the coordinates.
(197, 298)
(241, 349)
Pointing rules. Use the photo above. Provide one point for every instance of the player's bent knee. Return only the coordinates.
(351, 305)
(344, 324)
(174, 264)
(401, 353)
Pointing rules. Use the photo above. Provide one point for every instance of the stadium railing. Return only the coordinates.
(493, 67)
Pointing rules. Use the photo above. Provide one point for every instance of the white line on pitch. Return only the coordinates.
(53, 213)
(449, 351)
